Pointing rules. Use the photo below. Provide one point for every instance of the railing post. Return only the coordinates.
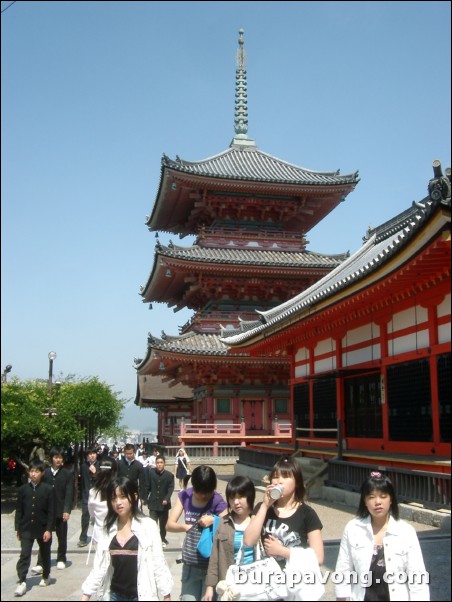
(339, 439)
(215, 449)
(276, 428)
(242, 427)
(242, 431)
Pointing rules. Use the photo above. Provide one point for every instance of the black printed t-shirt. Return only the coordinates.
(125, 567)
(292, 531)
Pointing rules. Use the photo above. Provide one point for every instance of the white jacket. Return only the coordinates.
(403, 559)
(154, 578)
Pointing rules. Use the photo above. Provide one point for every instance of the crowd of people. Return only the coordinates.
(129, 561)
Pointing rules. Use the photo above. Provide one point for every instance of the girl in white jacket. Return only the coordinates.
(380, 557)
(129, 563)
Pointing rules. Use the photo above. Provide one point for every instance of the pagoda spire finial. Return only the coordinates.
(241, 97)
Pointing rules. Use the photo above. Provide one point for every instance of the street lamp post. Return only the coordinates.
(7, 369)
(52, 356)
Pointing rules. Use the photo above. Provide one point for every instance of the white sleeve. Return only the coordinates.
(344, 565)
(91, 502)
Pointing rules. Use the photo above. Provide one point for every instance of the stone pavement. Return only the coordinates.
(65, 585)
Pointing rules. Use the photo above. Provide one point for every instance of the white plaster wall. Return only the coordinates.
(328, 363)
(302, 355)
(407, 318)
(409, 343)
(444, 333)
(444, 329)
(365, 354)
(301, 371)
(363, 333)
(325, 346)
(443, 308)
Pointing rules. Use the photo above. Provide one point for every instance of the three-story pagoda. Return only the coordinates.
(250, 213)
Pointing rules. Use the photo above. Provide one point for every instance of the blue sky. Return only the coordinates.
(94, 92)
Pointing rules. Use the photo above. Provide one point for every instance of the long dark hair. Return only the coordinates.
(377, 481)
(128, 488)
(105, 473)
(287, 466)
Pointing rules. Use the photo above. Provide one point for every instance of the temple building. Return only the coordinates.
(250, 213)
(370, 351)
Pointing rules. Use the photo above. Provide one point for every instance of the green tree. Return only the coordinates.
(71, 413)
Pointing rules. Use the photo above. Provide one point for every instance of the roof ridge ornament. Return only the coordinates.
(241, 98)
(439, 187)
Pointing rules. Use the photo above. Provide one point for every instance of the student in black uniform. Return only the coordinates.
(159, 487)
(60, 479)
(133, 469)
(35, 519)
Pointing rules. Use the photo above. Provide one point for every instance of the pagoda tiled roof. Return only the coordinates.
(253, 257)
(380, 245)
(195, 344)
(191, 343)
(251, 164)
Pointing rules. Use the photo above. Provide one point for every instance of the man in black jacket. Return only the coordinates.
(88, 471)
(159, 488)
(60, 479)
(34, 519)
(132, 468)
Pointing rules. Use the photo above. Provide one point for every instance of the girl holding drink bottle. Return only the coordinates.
(282, 519)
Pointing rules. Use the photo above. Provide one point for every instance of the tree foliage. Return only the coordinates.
(62, 417)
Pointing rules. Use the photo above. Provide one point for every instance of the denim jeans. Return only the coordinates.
(193, 583)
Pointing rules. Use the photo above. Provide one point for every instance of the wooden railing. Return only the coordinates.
(200, 428)
(204, 453)
(428, 488)
(231, 429)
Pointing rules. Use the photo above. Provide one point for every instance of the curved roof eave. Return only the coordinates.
(254, 257)
(240, 258)
(246, 164)
(251, 164)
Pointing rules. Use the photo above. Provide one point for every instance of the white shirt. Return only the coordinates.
(98, 510)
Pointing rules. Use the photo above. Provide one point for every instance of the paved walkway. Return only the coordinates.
(65, 585)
